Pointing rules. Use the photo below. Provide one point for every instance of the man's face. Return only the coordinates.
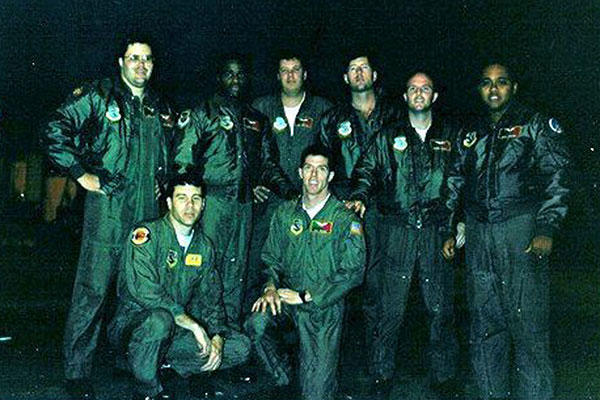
(185, 206)
(360, 76)
(137, 64)
(315, 175)
(419, 95)
(292, 76)
(496, 87)
(233, 78)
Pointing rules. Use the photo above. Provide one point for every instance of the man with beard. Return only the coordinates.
(230, 145)
(166, 261)
(315, 254)
(111, 136)
(294, 119)
(404, 171)
(508, 175)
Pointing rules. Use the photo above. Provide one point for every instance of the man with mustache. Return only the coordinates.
(111, 136)
(508, 175)
(404, 171)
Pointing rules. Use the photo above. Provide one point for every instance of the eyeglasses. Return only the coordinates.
(137, 58)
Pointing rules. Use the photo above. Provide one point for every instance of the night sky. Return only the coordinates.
(50, 47)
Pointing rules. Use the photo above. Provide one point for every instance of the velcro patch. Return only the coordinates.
(140, 236)
(251, 124)
(193, 260)
(321, 226)
(356, 228)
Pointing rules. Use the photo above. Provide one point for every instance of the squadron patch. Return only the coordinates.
(305, 122)
(440, 145)
(297, 227)
(356, 228)
(78, 91)
(470, 139)
(167, 120)
(149, 111)
(554, 125)
(113, 113)
(279, 124)
(321, 226)
(510, 133)
(184, 119)
(193, 260)
(140, 236)
(172, 258)
(400, 143)
(344, 129)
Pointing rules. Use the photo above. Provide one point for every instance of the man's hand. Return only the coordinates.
(261, 194)
(357, 206)
(270, 299)
(204, 342)
(216, 354)
(448, 248)
(460, 235)
(540, 246)
(90, 182)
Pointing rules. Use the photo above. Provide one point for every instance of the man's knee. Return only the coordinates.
(158, 324)
(256, 325)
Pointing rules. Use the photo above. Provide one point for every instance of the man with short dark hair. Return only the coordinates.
(166, 262)
(404, 172)
(294, 116)
(112, 137)
(314, 254)
(508, 175)
(230, 145)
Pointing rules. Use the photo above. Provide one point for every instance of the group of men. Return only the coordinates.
(276, 210)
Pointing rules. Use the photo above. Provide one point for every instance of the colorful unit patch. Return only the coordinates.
(305, 122)
(356, 228)
(184, 119)
(225, 122)
(510, 133)
(113, 114)
(344, 129)
(470, 139)
(193, 260)
(297, 227)
(554, 125)
(321, 226)
(140, 236)
(279, 124)
(254, 125)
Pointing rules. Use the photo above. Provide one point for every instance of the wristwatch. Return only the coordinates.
(303, 295)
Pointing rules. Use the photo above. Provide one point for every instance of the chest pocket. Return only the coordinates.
(517, 147)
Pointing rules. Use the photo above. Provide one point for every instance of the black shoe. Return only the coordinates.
(80, 389)
(161, 396)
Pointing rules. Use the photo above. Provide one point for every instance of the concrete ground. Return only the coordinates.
(37, 272)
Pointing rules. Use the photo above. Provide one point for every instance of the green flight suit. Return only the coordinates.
(230, 145)
(290, 148)
(157, 283)
(104, 130)
(326, 257)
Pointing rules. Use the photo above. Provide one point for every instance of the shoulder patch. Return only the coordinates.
(356, 228)
(78, 91)
(297, 226)
(140, 236)
(344, 129)
(554, 125)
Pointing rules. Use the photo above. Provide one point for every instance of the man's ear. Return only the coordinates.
(515, 87)
(121, 62)
(304, 75)
(346, 79)
(169, 203)
(434, 98)
(405, 97)
(300, 173)
(374, 76)
(330, 177)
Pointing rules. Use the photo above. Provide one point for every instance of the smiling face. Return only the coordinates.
(420, 95)
(315, 175)
(136, 65)
(233, 78)
(185, 206)
(291, 75)
(496, 87)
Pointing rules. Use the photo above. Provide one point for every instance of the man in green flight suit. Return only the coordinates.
(315, 253)
(230, 145)
(112, 137)
(166, 261)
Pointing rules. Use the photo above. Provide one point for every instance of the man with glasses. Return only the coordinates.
(508, 175)
(110, 136)
(230, 145)
(404, 172)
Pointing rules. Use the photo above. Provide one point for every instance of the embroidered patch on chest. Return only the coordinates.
(193, 260)
(321, 226)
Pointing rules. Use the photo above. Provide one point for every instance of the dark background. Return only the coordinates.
(49, 47)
